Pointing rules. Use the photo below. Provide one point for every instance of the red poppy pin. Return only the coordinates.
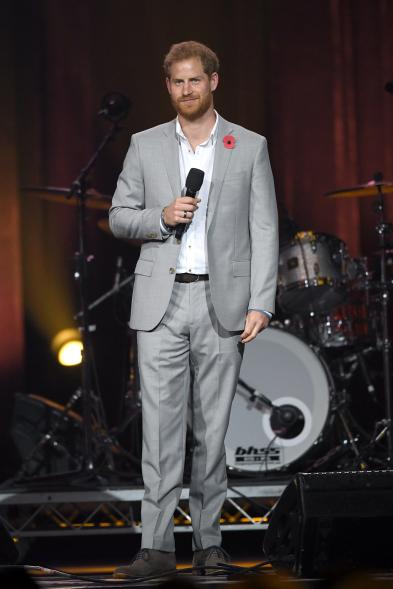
(229, 141)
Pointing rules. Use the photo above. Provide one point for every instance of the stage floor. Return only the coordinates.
(94, 578)
(89, 558)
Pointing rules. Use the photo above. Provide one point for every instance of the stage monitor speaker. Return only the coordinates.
(333, 522)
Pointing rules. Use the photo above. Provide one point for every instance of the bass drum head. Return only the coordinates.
(284, 369)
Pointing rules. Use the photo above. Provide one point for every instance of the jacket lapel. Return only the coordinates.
(170, 150)
(222, 157)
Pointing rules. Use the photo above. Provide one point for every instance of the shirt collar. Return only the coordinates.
(213, 135)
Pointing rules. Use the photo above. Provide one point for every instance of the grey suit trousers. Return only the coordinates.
(188, 345)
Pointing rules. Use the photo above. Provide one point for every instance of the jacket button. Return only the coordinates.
(151, 235)
(172, 270)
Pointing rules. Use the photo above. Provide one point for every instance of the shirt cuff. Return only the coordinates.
(267, 313)
(164, 230)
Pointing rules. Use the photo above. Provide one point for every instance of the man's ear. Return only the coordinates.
(168, 84)
(213, 81)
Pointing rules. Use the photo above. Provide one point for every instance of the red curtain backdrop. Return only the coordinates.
(308, 75)
(330, 121)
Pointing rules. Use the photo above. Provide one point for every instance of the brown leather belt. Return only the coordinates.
(185, 277)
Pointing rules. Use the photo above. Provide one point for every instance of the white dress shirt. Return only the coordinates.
(193, 251)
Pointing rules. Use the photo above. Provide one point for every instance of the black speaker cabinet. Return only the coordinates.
(333, 522)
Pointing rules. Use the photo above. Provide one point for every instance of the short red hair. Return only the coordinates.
(188, 49)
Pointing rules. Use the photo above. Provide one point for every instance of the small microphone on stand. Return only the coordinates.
(389, 87)
(194, 182)
(114, 107)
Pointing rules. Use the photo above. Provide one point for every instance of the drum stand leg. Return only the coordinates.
(382, 229)
(352, 442)
(349, 443)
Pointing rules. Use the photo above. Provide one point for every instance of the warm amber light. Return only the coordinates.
(68, 347)
(70, 354)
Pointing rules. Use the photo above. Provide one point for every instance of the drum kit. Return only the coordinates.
(314, 389)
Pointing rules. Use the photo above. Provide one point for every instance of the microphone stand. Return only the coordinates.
(79, 190)
(92, 409)
(254, 394)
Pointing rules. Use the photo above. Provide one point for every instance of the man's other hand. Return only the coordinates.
(255, 323)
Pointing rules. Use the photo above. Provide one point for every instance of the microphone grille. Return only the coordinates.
(195, 179)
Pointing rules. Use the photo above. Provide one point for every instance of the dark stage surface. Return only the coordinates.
(97, 559)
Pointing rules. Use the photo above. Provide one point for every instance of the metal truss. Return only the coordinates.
(117, 510)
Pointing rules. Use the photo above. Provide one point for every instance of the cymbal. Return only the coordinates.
(94, 200)
(368, 189)
(103, 224)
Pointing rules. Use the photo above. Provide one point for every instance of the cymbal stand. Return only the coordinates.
(382, 229)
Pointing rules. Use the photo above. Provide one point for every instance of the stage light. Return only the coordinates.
(68, 347)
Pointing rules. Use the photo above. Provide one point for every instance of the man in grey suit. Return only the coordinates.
(198, 298)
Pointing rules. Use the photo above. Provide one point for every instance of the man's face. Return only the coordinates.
(190, 88)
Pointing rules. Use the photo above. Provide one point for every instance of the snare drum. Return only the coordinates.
(312, 273)
(353, 323)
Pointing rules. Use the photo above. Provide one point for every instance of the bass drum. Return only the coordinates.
(287, 372)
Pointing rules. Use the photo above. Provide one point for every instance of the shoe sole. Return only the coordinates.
(156, 574)
(202, 571)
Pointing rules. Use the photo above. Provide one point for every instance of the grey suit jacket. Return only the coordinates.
(241, 227)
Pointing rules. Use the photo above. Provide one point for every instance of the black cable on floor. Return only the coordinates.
(224, 569)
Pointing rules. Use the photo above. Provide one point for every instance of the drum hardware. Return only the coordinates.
(383, 228)
(286, 421)
(351, 439)
(369, 384)
(378, 188)
(349, 442)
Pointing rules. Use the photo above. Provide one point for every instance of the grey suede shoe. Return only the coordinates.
(147, 562)
(209, 557)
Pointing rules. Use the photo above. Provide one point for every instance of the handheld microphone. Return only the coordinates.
(194, 182)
